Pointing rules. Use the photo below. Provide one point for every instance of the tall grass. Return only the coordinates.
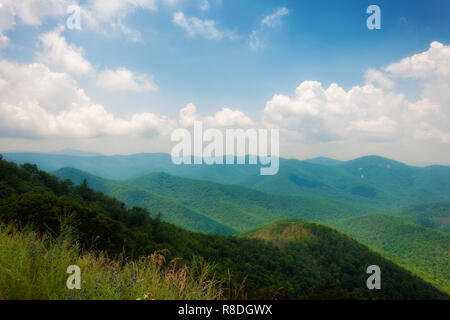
(33, 267)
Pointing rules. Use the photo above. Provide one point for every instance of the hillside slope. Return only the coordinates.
(421, 250)
(234, 207)
(171, 210)
(329, 266)
(430, 215)
(329, 250)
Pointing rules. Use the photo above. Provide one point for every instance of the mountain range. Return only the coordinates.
(285, 259)
(399, 211)
(370, 180)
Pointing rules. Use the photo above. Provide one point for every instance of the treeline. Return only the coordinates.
(331, 267)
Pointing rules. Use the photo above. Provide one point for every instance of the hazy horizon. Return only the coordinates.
(135, 72)
(67, 151)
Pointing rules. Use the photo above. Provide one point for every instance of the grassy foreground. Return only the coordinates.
(35, 268)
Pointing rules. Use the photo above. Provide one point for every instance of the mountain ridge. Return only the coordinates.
(372, 180)
(32, 198)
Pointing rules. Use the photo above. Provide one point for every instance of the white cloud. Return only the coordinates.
(37, 102)
(123, 79)
(382, 125)
(43, 99)
(274, 19)
(188, 115)
(372, 112)
(61, 56)
(321, 115)
(107, 16)
(254, 41)
(229, 118)
(431, 69)
(271, 21)
(435, 62)
(226, 117)
(378, 78)
(30, 12)
(198, 27)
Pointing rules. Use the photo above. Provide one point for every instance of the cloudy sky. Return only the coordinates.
(138, 69)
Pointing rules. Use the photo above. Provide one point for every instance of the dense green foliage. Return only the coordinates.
(421, 250)
(330, 249)
(330, 263)
(430, 215)
(236, 208)
(368, 180)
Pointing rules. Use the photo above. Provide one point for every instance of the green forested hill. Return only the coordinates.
(239, 209)
(424, 251)
(234, 207)
(171, 210)
(430, 215)
(372, 180)
(294, 237)
(327, 265)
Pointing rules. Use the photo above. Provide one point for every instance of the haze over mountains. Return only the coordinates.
(368, 180)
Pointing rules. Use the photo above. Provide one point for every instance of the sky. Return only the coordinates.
(136, 70)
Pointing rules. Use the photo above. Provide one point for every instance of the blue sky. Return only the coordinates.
(323, 41)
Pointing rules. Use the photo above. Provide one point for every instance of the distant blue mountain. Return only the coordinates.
(74, 152)
(324, 161)
(369, 180)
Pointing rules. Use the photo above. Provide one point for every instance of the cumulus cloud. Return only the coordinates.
(226, 117)
(38, 102)
(198, 27)
(372, 112)
(317, 114)
(123, 79)
(108, 16)
(43, 99)
(105, 16)
(431, 69)
(60, 55)
(378, 78)
(30, 12)
(435, 62)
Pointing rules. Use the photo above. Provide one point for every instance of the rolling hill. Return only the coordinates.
(215, 208)
(373, 180)
(421, 250)
(430, 215)
(293, 238)
(234, 207)
(316, 263)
